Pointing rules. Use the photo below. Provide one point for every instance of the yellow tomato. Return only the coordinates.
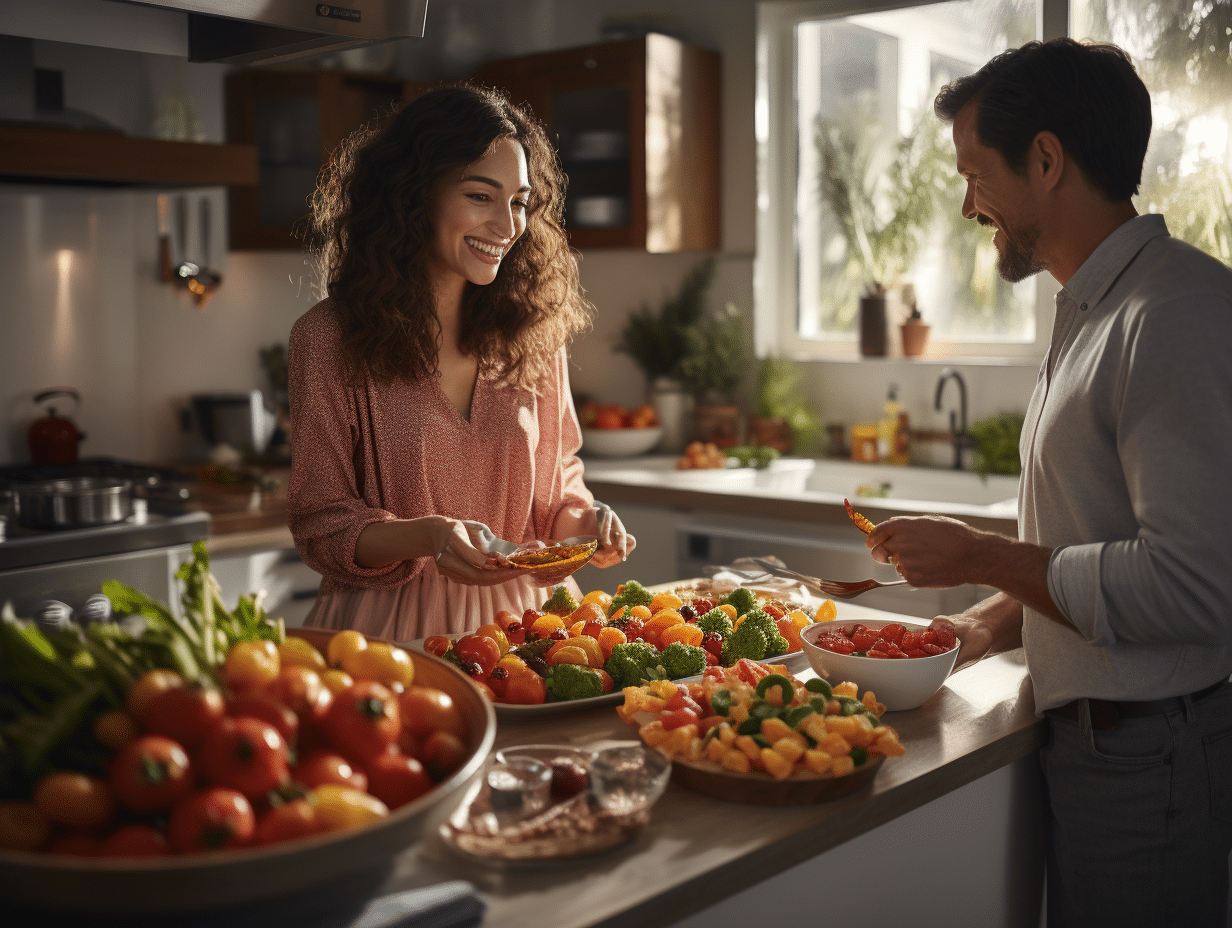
(337, 681)
(599, 597)
(251, 664)
(381, 662)
(568, 655)
(343, 644)
(494, 632)
(665, 601)
(341, 807)
(298, 652)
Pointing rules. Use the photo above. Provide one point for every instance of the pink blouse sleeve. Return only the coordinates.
(325, 510)
(560, 441)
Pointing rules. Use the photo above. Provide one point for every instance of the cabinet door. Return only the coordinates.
(296, 119)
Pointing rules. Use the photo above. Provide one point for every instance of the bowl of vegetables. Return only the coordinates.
(158, 776)
(903, 663)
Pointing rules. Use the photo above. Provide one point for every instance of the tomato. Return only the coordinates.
(261, 705)
(437, 645)
(184, 713)
(323, 767)
(251, 665)
(210, 820)
(893, 632)
(383, 663)
(364, 720)
(302, 691)
(526, 688)
(863, 639)
(837, 644)
(497, 681)
(568, 655)
(929, 649)
(298, 652)
(75, 800)
(478, 650)
(442, 754)
(516, 633)
(343, 645)
(494, 632)
(677, 718)
(135, 840)
(22, 827)
(606, 678)
(151, 775)
(115, 728)
(396, 779)
(944, 631)
(340, 807)
(425, 709)
(246, 755)
(149, 685)
(911, 641)
(291, 820)
(503, 619)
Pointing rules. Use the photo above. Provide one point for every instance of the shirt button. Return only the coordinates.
(1083, 307)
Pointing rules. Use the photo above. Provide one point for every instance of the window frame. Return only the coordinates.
(776, 290)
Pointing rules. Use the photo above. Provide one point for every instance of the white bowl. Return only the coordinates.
(620, 443)
(900, 684)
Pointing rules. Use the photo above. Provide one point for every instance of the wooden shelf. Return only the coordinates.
(33, 153)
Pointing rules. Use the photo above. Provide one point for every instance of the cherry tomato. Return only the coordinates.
(383, 663)
(261, 705)
(478, 650)
(75, 800)
(337, 681)
(298, 652)
(291, 820)
(251, 665)
(677, 718)
(863, 639)
(497, 680)
(302, 691)
(210, 820)
(503, 619)
(150, 684)
(115, 728)
(184, 713)
(396, 779)
(516, 633)
(323, 767)
(442, 754)
(246, 755)
(364, 721)
(893, 632)
(526, 689)
(135, 840)
(494, 632)
(343, 645)
(605, 678)
(426, 709)
(340, 807)
(22, 827)
(151, 775)
(437, 645)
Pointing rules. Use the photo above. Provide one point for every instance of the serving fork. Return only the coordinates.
(836, 589)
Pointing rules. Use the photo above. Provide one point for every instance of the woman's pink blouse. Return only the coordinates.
(372, 452)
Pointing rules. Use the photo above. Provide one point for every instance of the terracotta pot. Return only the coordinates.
(717, 424)
(770, 431)
(915, 337)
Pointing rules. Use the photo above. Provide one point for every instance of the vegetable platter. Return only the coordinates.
(104, 811)
(570, 656)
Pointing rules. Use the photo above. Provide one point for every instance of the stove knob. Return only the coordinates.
(51, 615)
(97, 608)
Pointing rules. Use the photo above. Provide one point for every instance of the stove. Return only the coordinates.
(70, 564)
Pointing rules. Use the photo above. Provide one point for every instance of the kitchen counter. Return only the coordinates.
(242, 515)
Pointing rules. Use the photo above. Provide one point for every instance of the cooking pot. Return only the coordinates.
(53, 439)
(73, 502)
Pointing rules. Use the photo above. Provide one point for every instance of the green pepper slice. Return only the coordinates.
(797, 715)
(858, 756)
(750, 726)
(720, 702)
(765, 684)
(819, 686)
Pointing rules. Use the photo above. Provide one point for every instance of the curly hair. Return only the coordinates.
(371, 229)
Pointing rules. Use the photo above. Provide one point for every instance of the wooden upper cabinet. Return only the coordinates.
(636, 124)
(296, 119)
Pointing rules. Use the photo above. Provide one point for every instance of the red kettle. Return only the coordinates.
(52, 439)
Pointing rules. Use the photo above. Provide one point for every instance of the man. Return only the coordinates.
(1120, 589)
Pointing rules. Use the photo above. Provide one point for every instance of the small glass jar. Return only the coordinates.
(864, 444)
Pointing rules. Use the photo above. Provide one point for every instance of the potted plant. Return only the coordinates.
(783, 420)
(657, 343)
(717, 354)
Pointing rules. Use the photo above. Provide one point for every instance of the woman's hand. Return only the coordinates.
(464, 554)
(615, 543)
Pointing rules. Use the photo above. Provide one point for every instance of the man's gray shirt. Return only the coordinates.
(1127, 472)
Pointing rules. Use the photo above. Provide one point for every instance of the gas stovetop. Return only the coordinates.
(159, 518)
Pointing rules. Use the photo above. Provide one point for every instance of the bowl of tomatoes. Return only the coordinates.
(904, 664)
(315, 758)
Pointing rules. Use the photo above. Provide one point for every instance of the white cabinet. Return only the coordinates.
(290, 585)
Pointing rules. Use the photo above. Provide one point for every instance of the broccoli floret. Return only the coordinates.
(573, 681)
(683, 660)
(715, 620)
(537, 648)
(560, 603)
(741, 600)
(746, 641)
(629, 662)
(631, 594)
(775, 642)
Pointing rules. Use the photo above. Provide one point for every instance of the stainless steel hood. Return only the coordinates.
(268, 31)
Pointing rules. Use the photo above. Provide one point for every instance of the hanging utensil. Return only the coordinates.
(185, 270)
(204, 282)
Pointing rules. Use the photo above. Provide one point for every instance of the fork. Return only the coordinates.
(837, 589)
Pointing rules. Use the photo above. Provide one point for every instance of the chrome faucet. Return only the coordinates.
(958, 421)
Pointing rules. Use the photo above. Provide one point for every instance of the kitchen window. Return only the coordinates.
(856, 178)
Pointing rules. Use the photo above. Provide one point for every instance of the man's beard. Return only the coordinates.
(1018, 261)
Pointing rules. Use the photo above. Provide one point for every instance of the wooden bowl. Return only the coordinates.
(761, 789)
(227, 878)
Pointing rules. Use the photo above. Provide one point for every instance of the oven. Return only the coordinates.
(142, 545)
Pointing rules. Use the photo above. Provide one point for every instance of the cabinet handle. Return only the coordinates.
(591, 63)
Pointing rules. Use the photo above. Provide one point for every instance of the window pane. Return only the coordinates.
(1183, 51)
(877, 196)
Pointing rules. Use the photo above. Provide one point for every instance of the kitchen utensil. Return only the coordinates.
(186, 270)
(54, 439)
(836, 589)
(72, 502)
(165, 272)
(205, 281)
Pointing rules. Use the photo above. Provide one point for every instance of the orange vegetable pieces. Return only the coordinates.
(862, 523)
(685, 633)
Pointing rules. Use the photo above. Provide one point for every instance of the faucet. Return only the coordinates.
(958, 421)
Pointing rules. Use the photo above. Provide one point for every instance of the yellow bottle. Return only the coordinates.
(887, 427)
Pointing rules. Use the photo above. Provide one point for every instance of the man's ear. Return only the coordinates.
(1047, 158)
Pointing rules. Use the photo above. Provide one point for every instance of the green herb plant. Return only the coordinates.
(996, 444)
(717, 354)
(778, 396)
(657, 341)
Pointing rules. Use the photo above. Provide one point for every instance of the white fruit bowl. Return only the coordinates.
(900, 684)
(620, 443)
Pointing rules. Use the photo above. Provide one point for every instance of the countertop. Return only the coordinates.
(242, 515)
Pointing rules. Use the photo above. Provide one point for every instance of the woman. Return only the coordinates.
(430, 402)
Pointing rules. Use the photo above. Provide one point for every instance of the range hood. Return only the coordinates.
(269, 31)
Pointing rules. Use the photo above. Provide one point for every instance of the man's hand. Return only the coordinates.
(991, 627)
(928, 551)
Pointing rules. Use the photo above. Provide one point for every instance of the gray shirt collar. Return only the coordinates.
(1104, 266)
